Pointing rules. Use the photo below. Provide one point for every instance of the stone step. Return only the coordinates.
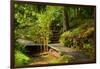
(56, 39)
(55, 42)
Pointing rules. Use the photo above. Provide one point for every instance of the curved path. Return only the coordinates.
(79, 57)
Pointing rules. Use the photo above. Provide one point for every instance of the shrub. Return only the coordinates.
(19, 46)
(64, 37)
(76, 31)
(77, 37)
(68, 42)
(87, 46)
(89, 50)
(68, 38)
(89, 32)
(20, 58)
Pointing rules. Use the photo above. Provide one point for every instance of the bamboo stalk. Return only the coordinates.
(44, 45)
(41, 45)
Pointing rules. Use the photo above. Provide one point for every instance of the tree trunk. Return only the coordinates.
(65, 20)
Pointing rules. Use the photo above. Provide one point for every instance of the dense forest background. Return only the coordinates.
(37, 23)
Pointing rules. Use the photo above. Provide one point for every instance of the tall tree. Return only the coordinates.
(65, 19)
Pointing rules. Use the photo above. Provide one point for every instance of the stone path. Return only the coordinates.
(79, 56)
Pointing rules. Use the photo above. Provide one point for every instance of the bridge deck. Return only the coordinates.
(80, 56)
(59, 47)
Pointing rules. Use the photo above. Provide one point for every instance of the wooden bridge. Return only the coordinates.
(55, 49)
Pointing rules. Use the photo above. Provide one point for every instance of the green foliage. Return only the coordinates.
(68, 42)
(32, 22)
(25, 19)
(89, 50)
(20, 58)
(70, 38)
(64, 36)
(44, 23)
(76, 37)
(36, 19)
(89, 32)
(19, 47)
(87, 46)
(87, 12)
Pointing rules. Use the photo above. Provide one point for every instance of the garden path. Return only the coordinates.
(78, 56)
